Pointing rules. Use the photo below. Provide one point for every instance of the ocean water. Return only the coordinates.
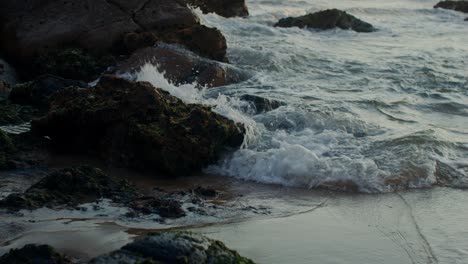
(379, 112)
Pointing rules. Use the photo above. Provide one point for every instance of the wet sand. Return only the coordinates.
(291, 225)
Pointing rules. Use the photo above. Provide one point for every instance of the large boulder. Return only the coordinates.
(137, 125)
(181, 66)
(31, 28)
(7, 148)
(174, 247)
(461, 6)
(328, 19)
(226, 8)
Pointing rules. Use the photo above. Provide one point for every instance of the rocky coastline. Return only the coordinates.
(63, 91)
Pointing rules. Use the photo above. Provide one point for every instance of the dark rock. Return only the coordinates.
(6, 149)
(30, 151)
(461, 6)
(260, 104)
(163, 206)
(37, 92)
(173, 247)
(69, 187)
(7, 78)
(226, 8)
(13, 114)
(136, 125)
(34, 254)
(181, 66)
(207, 192)
(466, 19)
(327, 19)
(72, 63)
(94, 28)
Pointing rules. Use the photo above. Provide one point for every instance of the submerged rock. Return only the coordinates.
(181, 66)
(163, 206)
(37, 92)
(327, 19)
(226, 8)
(461, 6)
(34, 254)
(261, 105)
(69, 187)
(133, 124)
(174, 247)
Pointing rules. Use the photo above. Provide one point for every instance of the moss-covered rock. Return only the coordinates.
(38, 91)
(70, 187)
(6, 149)
(34, 254)
(174, 247)
(327, 19)
(72, 63)
(136, 125)
(13, 114)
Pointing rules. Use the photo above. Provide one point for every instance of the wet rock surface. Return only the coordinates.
(226, 8)
(173, 247)
(22, 151)
(183, 67)
(260, 104)
(461, 6)
(8, 78)
(136, 125)
(14, 114)
(37, 92)
(327, 19)
(34, 254)
(69, 187)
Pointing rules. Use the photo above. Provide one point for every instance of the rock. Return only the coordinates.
(37, 92)
(173, 247)
(69, 187)
(466, 19)
(163, 206)
(181, 66)
(259, 104)
(6, 149)
(34, 254)
(327, 19)
(29, 152)
(13, 114)
(92, 29)
(138, 126)
(7, 78)
(461, 6)
(207, 192)
(226, 8)
(72, 63)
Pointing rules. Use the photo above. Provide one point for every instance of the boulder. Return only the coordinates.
(34, 254)
(461, 6)
(173, 247)
(259, 104)
(133, 124)
(328, 19)
(31, 28)
(7, 148)
(29, 151)
(37, 92)
(69, 187)
(181, 66)
(225, 8)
